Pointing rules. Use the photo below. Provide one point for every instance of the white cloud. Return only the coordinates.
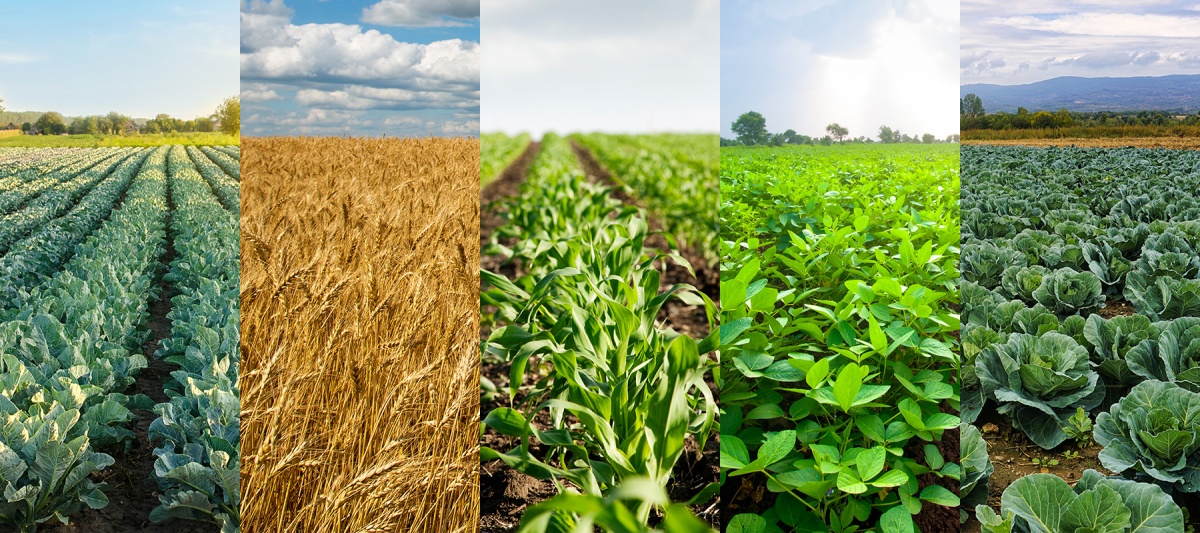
(1079, 37)
(421, 12)
(1109, 24)
(344, 52)
(360, 97)
(259, 92)
(347, 76)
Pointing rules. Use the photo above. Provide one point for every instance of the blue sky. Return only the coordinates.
(613, 65)
(136, 57)
(1010, 42)
(860, 63)
(360, 67)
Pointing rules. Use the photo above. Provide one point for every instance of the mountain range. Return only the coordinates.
(1179, 93)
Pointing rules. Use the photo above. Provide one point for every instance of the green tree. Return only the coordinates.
(1044, 119)
(51, 123)
(1, 105)
(229, 113)
(971, 105)
(928, 138)
(751, 128)
(1063, 118)
(837, 131)
(886, 135)
(204, 124)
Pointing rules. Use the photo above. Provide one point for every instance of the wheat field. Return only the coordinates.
(360, 319)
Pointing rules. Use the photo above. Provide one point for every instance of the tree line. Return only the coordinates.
(973, 116)
(751, 130)
(226, 118)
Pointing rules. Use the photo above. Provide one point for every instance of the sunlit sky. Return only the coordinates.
(136, 57)
(1010, 42)
(360, 67)
(859, 63)
(618, 66)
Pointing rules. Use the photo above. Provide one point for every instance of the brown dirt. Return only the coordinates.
(1171, 143)
(934, 518)
(506, 185)
(1012, 455)
(683, 318)
(1116, 308)
(133, 492)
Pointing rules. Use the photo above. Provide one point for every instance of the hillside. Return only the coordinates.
(1179, 92)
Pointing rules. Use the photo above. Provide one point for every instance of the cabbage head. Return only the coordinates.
(1037, 382)
(1153, 431)
(1172, 356)
(1068, 292)
(1044, 503)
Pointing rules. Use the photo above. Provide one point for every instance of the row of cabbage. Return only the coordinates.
(71, 333)
(198, 432)
(70, 350)
(1053, 236)
(838, 330)
(673, 175)
(497, 151)
(577, 326)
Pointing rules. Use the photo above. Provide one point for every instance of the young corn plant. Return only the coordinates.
(622, 393)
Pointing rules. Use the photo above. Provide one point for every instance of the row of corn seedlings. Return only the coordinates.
(616, 393)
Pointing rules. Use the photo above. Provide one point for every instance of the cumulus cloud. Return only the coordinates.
(259, 92)
(343, 74)
(361, 97)
(421, 12)
(345, 53)
(982, 61)
(1079, 38)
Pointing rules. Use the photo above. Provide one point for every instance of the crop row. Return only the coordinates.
(227, 158)
(36, 172)
(1081, 307)
(48, 244)
(227, 189)
(623, 394)
(673, 175)
(54, 199)
(838, 332)
(197, 432)
(70, 352)
(497, 151)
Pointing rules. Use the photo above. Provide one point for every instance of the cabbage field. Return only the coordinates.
(119, 338)
(838, 338)
(1081, 338)
(598, 321)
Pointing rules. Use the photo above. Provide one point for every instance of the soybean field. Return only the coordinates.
(839, 323)
(119, 338)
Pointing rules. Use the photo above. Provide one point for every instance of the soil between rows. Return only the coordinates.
(133, 491)
(506, 494)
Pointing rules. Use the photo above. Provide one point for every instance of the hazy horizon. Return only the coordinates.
(859, 63)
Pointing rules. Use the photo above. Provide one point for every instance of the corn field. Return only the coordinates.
(360, 327)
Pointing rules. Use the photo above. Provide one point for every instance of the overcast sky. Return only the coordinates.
(1020, 41)
(860, 63)
(617, 65)
(360, 67)
(139, 58)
